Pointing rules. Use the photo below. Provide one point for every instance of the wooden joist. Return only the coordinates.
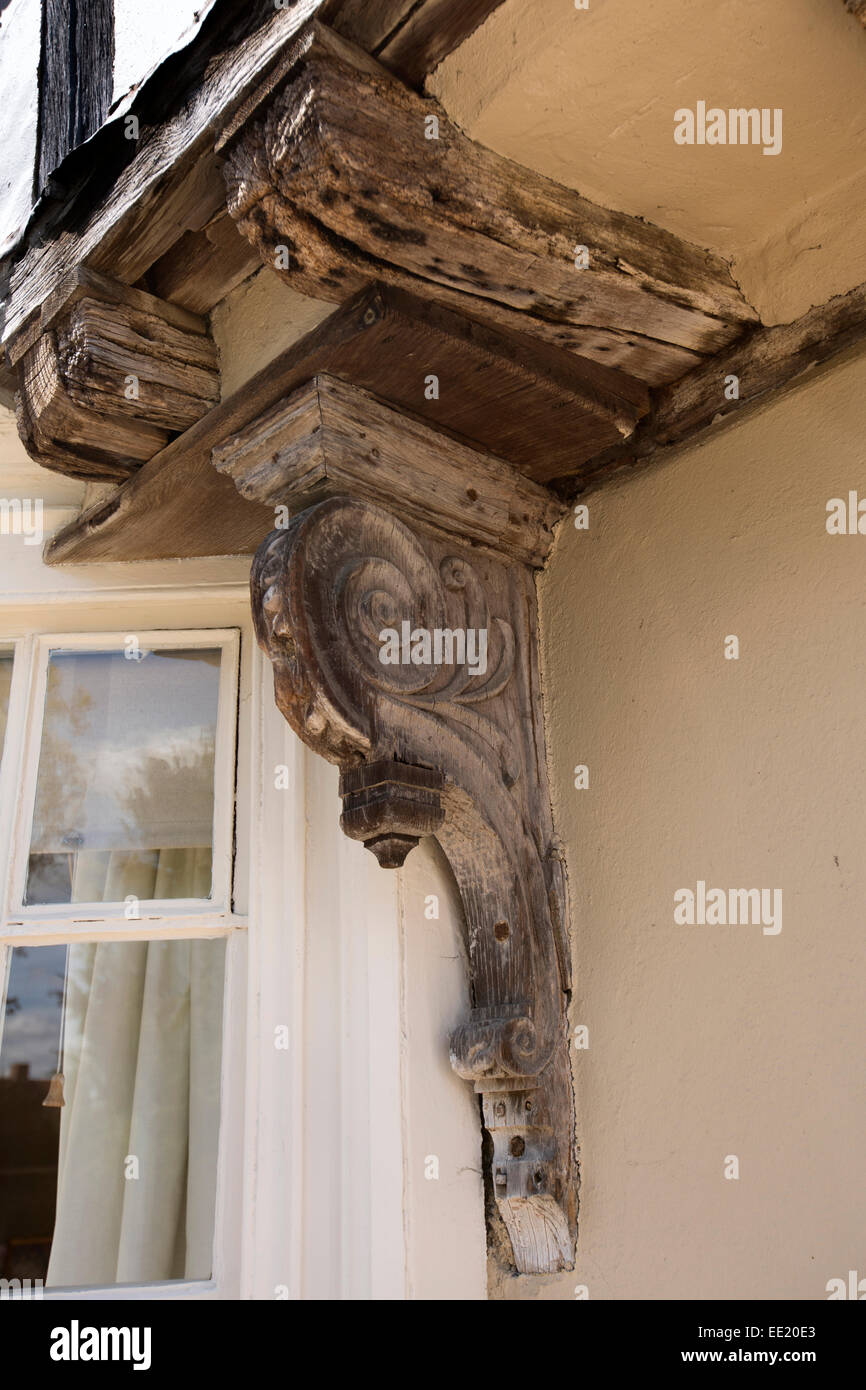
(336, 169)
(107, 375)
(768, 360)
(84, 283)
(409, 36)
(8, 383)
(444, 217)
(204, 266)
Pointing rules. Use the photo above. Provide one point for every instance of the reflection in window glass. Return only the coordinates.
(115, 1184)
(6, 659)
(124, 794)
(29, 1133)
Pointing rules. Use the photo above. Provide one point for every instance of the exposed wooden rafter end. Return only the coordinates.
(108, 375)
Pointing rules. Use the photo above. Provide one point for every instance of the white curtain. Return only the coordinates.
(141, 1060)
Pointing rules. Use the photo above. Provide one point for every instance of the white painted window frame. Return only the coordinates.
(167, 912)
(320, 1186)
(160, 919)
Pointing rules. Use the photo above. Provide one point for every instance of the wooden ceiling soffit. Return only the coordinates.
(107, 375)
(499, 394)
(333, 180)
(406, 652)
(719, 391)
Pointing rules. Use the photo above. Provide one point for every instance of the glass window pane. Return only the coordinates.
(124, 793)
(6, 660)
(116, 1184)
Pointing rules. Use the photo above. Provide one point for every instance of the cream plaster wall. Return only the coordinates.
(709, 1041)
(588, 97)
(445, 1234)
(258, 320)
(21, 477)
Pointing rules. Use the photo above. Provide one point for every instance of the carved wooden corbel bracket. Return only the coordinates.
(404, 534)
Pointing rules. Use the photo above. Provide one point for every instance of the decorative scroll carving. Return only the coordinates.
(454, 749)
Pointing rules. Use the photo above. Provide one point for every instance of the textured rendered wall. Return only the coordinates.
(588, 97)
(713, 1041)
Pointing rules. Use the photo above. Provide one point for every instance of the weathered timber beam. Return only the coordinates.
(107, 375)
(767, 361)
(76, 77)
(8, 383)
(171, 185)
(335, 169)
(171, 189)
(436, 741)
(500, 393)
(85, 283)
(329, 437)
(204, 266)
(411, 38)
